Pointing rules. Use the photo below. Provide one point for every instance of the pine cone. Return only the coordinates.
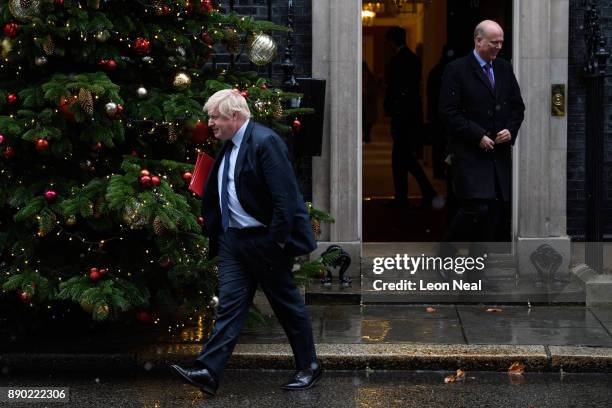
(49, 46)
(86, 101)
(231, 41)
(172, 133)
(158, 226)
(278, 110)
(98, 207)
(316, 226)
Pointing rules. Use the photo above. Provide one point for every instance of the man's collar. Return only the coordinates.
(480, 60)
(239, 135)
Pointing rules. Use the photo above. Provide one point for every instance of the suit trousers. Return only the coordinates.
(248, 257)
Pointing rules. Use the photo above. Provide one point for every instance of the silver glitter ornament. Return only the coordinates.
(181, 81)
(24, 9)
(262, 49)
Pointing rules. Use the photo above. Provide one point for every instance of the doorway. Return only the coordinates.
(437, 31)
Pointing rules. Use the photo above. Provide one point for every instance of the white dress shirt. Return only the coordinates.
(238, 217)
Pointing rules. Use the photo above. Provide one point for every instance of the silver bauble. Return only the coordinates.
(24, 9)
(40, 61)
(148, 60)
(214, 302)
(110, 108)
(142, 92)
(262, 49)
(181, 81)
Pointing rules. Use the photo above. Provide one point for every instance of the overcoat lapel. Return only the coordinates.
(481, 75)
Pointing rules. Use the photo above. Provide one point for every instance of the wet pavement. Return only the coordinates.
(251, 388)
(450, 324)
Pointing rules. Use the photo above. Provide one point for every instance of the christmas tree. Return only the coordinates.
(100, 124)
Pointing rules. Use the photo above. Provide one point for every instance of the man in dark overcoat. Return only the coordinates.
(482, 107)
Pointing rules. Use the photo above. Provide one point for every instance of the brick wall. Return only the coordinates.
(576, 197)
(276, 11)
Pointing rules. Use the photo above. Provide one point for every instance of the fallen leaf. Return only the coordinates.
(450, 379)
(430, 309)
(494, 310)
(517, 368)
(460, 374)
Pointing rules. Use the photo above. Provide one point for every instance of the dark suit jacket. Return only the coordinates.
(471, 108)
(267, 190)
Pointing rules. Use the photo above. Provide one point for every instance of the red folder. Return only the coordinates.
(200, 173)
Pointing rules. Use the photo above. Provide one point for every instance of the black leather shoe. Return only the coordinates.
(304, 379)
(198, 377)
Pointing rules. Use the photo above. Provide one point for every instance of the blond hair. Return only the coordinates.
(228, 101)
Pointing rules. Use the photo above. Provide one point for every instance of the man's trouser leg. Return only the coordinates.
(236, 290)
(273, 271)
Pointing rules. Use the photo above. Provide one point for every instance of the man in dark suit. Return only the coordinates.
(256, 221)
(481, 104)
(403, 105)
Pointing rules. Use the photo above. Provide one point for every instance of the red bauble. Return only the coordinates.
(103, 271)
(64, 106)
(296, 126)
(206, 6)
(98, 146)
(207, 40)
(187, 176)
(59, 2)
(145, 181)
(42, 144)
(155, 180)
(201, 220)
(134, 153)
(9, 152)
(1, 139)
(144, 172)
(200, 132)
(94, 269)
(25, 296)
(10, 29)
(264, 86)
(142, 45)
(94, 275)
(244, 94)
(167, 264)
(144, 317)
(110, 64)
(50, 195)
(11, 98)
(119, 110)
(165, 10)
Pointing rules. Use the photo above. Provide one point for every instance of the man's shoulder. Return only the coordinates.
(263, 134)
(500, 62)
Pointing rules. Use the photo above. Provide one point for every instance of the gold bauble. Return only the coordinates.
(7, 47)
(71, 221)
(181, 81)
(24, 9)
(262, 49)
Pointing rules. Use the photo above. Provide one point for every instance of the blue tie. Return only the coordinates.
(489, 70)
(224, 181)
